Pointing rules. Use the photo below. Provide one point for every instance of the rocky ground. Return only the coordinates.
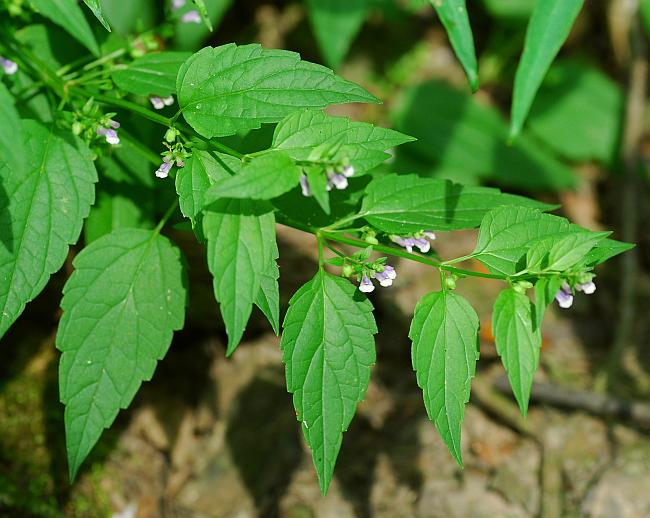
(216, 437)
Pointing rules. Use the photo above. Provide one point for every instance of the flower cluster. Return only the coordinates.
(564, 297)
(358, 267)
(10, 67)
(176, 154)
(192, 16)
(337, 178)
(420, 240)
(385, 277)
(160, 102)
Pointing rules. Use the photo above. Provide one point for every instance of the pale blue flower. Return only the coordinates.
(366, 285)
(386, 277)
(191, 17)
(304, 185)
(163, 170)
(587, 287)
(110, 135)
(178, 4)
(564, 297)
(10, 67)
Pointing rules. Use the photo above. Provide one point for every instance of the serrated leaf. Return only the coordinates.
(444, 332)
(363, 144)
(578, 113)
(605, 250)
(336, 23)
(268, 298)
(561, 253)
(233, 88)
(462, 138)
(68, 15)
(507, 233)
(241, 247)
(328, 349)
(47, 201)
(151, 74)
(518, 343)
(121, 306)
(263, 178)
(408, 203)
(548, 28)
(453, 15)
(12, 148)
(201, 171)
(545, 290)
(96, 7)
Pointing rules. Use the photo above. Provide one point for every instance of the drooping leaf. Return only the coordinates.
(201, 171)
(12, 148)
(268, 298)
(241, 247)
(547, 31)
(231, 88)
(363, 144)
(190, 36)
(444, 332)
(328, 349)
(518, 342)
(465, 140)
(203, 11)
(453, 15)
(561, 253)
(68, 14)
(96, 8)
(507, 233)
(120, 308)
(578, 113)
(46, 202)
(336, 23)
(408, 203)
(151, 74)
(263, 178)
(545, 290)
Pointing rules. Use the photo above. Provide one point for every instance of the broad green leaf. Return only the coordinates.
(152, 74)
(241, 247)
(507, 233)
(121, 306)
(201, 171)
(328, 349)
(233, 88)
(190, 36)
(96, 7)
(363, 144)
(268, 298)
(561, 253)
(578, 113)
(68, 14)
(444, 332)
(125, 195)
(336, 23)
(12, 148)
(518, 342)
(45, 203)
(548, 28)
(465, 140)
(453, 15)
(263, 178)
(605, 250)
(545, 290)
(401, 204)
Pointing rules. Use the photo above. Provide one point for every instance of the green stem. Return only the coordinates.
(170, 211)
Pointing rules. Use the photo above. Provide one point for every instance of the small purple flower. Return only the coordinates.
(406, 242)
(113, 124)
(9, 66)
(178, 4)
(366, 285)
(386, 277)
(304, 185)
(163, 170)
(180, 163)
(160, 102)
(587, 287)
(110, 135)
(420, 242)
(423, 245)
(191, 17)
(339, 181)
(564, 297)
(348, 171)
(429, 235)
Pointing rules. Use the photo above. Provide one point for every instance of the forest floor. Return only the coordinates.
(217, 437)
